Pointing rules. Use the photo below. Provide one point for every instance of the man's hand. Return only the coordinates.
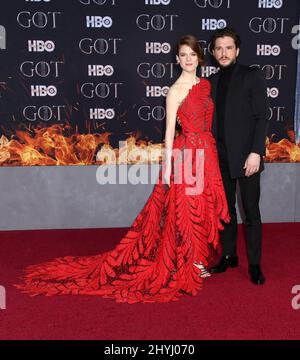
(252, 164)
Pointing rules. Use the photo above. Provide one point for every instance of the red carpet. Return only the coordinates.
(228, 307)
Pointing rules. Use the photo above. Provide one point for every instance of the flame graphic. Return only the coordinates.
(54, 146)
(283, 151)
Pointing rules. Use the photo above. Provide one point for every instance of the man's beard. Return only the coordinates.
(228, 65)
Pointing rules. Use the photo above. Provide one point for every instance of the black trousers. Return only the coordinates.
(250, 193)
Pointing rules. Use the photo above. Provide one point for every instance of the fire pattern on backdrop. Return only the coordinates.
(60, 145)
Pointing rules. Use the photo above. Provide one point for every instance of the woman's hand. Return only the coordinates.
(166, 179)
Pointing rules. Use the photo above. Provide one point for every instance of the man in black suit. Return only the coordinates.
(240, 120)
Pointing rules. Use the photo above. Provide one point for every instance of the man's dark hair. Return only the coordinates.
(226, 32)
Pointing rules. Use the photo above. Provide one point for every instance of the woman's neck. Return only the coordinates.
(190, 78)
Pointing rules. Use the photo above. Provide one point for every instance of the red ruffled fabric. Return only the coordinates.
(154, 262)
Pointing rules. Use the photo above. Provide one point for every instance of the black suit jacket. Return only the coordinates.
(245, 116)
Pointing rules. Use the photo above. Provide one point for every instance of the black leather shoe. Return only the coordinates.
(225, 262)
(256, 275)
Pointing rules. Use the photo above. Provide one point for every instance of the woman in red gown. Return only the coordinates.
(166, 251)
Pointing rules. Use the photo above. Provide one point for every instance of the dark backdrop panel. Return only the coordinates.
(85, 68)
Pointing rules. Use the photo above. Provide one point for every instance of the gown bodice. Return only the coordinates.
(195, 112)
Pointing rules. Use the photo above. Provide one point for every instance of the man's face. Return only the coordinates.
(225, 51)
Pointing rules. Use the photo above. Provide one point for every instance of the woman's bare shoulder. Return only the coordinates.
(174, 90)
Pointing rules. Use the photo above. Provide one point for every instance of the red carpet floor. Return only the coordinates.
(228, 307)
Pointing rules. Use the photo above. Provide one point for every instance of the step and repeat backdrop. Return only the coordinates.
(80, 77)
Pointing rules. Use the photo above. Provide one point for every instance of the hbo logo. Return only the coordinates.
(272, 92)
(213, 24)
(98, 21)
(267, 50)
(156, 91)
(267, 4)
(42, 90)
(157, 2)
(100, 114)
(40, 46)
(157, 48)
(100, 70)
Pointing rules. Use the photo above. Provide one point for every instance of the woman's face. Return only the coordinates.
(187, 58)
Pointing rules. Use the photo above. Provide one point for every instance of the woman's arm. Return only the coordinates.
(172, 104)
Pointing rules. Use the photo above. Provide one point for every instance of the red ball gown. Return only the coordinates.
(155, 260)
